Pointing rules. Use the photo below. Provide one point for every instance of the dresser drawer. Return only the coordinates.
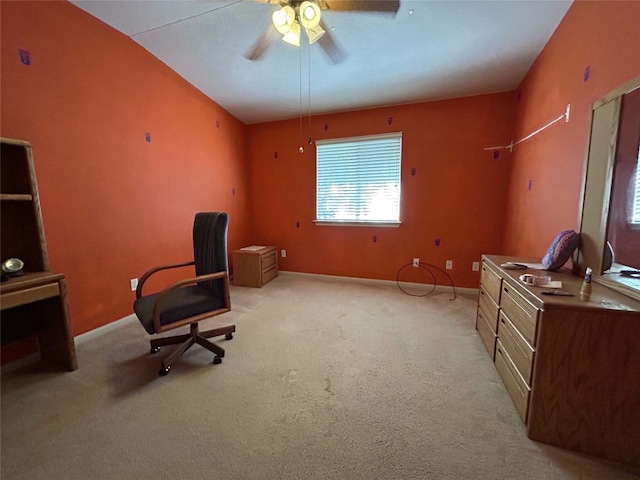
(489, 307)
(268, 260)
(517, 348)
(487, 335)
(513, 382)
(269, 274)
(491, 281)
(520, 312)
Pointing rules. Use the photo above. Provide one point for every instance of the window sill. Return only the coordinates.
(352, 223)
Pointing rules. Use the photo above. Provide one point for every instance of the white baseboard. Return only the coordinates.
(105, 328)
(83, 337)
(373, 281)
(35, 357)
(19, 363)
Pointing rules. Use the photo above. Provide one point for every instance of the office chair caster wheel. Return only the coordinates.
(165, 371)
(154, 350)
(217, 360)
(228, 336)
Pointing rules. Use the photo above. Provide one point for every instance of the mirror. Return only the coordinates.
(611, 190)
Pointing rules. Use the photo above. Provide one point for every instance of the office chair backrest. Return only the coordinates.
(210, 247)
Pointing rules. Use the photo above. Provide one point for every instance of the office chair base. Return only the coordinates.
(187, 340)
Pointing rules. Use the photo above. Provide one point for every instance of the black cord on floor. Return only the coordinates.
(427, 268)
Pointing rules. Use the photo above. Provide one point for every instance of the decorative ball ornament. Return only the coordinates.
(13, 267)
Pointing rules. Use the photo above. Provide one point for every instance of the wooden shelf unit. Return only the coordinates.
(570, 366)
(34, 304)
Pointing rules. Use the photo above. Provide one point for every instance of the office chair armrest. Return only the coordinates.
(188, 281)
(145, 276)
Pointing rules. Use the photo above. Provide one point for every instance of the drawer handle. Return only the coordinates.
(499, 350)
(506, 289)
(502, 321)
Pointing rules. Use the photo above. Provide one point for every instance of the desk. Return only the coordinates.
(35, 304)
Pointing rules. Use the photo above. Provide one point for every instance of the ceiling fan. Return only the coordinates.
(297, 16)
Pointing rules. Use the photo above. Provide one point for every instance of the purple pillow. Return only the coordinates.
(560, 250)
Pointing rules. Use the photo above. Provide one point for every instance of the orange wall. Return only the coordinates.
(456, 195)
(113, 204)
(604, 36)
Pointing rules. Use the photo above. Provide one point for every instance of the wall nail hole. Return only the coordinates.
(297, 224)
(375, 239)
(275, 154)
(496, 154)
(147, 137)
(326, 127)
(587, 73)
(413, 171)
(437, 242)
(530, 184)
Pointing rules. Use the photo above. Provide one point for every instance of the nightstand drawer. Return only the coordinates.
(268, 260)
(269, 274)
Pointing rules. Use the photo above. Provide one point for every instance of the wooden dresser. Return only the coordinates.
(254, 266)
(571, 367)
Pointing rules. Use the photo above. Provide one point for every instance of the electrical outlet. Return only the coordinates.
(134, 284)
(416, 262)
(449, 264)
(283, 253)
(475, 266)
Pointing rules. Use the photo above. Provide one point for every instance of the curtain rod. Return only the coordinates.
(509, 147)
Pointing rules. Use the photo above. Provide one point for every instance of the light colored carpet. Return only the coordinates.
(325, 379)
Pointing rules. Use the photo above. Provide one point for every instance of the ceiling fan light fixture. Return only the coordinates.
(309, 14)
(292, 37)
(314, 34)
(283, 19)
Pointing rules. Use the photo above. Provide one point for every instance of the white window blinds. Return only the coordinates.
(635, 210)
(358, 179)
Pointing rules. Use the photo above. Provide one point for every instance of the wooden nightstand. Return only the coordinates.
(254, 266)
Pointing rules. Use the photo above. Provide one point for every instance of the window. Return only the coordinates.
(635, 210)
(358, 179)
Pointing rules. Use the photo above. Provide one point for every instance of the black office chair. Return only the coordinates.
(193, 299)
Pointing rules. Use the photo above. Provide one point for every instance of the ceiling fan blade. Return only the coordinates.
(381, 6)
(334, 51)
(262, 43)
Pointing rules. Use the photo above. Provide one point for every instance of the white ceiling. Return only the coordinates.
(429, 50)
